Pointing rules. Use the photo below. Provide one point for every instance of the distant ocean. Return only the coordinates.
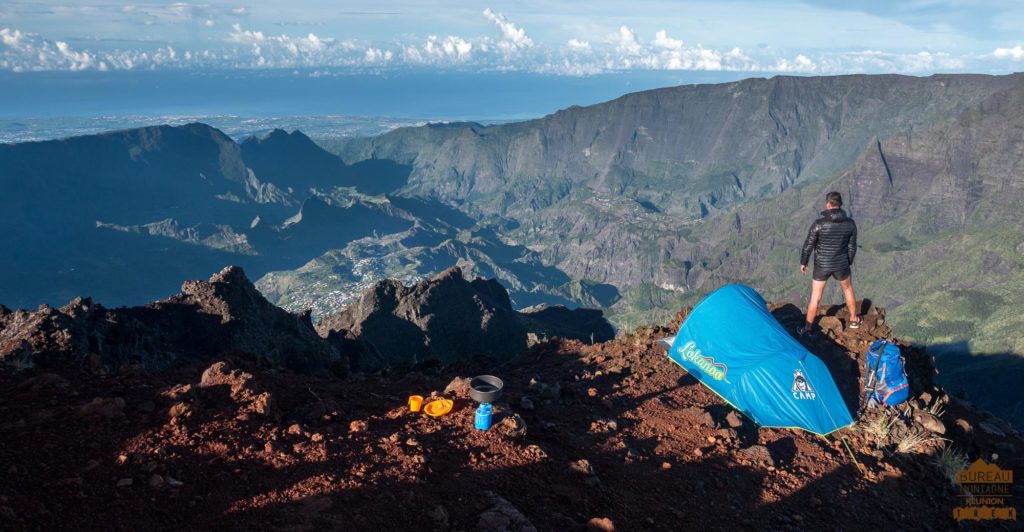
(322, 103)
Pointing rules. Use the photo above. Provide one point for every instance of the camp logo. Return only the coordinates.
(801, 388)
(985, 492)
(715, 370)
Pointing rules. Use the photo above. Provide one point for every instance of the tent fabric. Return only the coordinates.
(733, 345)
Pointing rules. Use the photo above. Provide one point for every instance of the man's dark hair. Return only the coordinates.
(835, 198)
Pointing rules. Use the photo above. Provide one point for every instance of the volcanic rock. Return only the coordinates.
(931, 423)
(502, 516)
(445, 319)
(224, 314)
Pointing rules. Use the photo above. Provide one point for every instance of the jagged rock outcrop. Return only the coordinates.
(224, 314)
(444, 319)
(584, 324)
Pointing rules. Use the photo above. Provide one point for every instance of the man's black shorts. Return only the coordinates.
(840, 275)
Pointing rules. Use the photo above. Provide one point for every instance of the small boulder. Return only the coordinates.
(600, 524)
(931, 423)
(514, 426)
(698, 415)
(758, 454)
(179, 410)
(831, 324)
(502, 516)
(582, 467)
(733, 420)
(458, 386)
(221, 374)
(262, 404)
(242, 387)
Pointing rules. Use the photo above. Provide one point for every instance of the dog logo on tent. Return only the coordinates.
(801, 388)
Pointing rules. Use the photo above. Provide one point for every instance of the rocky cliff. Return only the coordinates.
(447, 318)
(587, 437)
(390, 326)
(208, 319)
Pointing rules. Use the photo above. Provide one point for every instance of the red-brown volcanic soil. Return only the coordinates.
(609, 435)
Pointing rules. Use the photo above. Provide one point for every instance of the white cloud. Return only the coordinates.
(578, 45)
(376, 55)
(625, 41)
(288, 51)
(512, 38)
(13, 38)
(800, 63)
(75, 60)
(1015, 53)
(450, 47)
(667, 53)
(244, 47)
(245, 36)
(662, 40)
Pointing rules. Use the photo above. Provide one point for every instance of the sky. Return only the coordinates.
(556, 37)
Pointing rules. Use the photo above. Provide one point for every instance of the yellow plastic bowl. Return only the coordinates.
(438, 407)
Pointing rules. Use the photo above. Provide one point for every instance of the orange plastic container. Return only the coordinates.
(438, 407)
(415, 403)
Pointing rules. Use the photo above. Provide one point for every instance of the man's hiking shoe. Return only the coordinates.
(856, 324)
(806, 330)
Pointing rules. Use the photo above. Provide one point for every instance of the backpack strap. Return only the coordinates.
(894, 390)
(870, 385)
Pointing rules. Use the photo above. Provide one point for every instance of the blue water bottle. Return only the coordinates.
(483, 416)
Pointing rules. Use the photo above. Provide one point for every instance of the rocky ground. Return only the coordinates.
(587, 437)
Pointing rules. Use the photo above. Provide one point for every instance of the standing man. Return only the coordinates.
(833, 240)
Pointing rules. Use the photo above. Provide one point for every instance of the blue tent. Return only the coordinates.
(735, 347)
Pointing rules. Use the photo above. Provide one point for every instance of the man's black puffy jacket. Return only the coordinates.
(833, 239)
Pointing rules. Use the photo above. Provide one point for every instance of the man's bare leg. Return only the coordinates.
(817, 289)
(851, 300)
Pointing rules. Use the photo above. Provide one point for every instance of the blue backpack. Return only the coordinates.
(885, 379)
